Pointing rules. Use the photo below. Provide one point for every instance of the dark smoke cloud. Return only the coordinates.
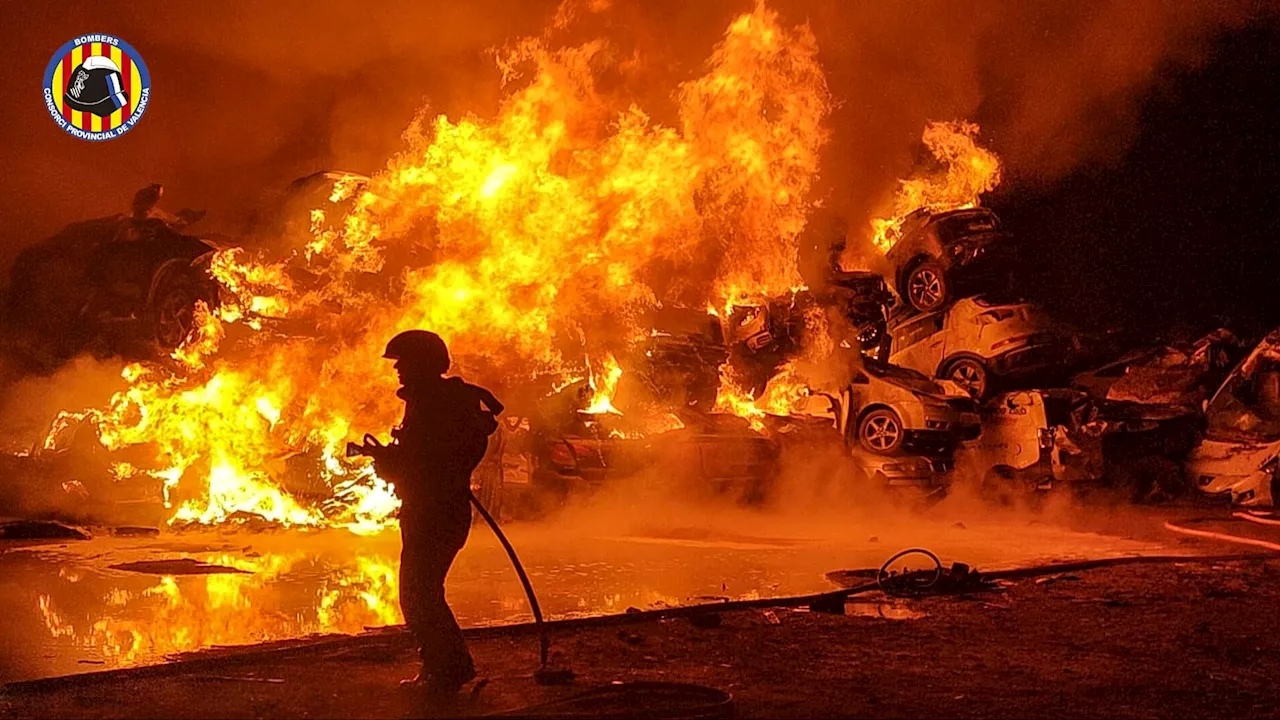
(248, 95)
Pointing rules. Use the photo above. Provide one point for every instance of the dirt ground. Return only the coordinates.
(1186, 639)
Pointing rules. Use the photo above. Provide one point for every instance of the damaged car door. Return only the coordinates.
(1239, 457)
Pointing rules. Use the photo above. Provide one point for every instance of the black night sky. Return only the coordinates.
(1181, 232)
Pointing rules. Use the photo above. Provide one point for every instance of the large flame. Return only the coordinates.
(528, 241)
(970, 170)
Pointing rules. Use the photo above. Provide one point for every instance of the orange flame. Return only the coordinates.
(971, 170)
(524, 241)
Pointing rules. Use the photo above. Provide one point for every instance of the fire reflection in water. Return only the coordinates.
(278, 596)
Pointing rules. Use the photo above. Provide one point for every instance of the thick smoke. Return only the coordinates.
(249, 95)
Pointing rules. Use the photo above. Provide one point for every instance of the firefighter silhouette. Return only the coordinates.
(443, 437)
(95, 87)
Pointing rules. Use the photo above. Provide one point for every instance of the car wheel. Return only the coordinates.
(969, 374)
(927, 286)
(172, 308)
(881, 431)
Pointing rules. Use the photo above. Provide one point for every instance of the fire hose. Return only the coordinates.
(544, 640)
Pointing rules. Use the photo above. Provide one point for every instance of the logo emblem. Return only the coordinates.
(96, 87)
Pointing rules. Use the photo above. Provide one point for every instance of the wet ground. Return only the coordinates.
(68, 610)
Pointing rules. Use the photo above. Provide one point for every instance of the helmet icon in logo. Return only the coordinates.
(95, 87)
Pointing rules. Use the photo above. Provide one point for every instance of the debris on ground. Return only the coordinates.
(40, 530)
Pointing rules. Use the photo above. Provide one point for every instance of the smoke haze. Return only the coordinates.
(247, 96)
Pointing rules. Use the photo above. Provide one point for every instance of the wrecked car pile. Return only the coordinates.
(908, 416)
(638, 307)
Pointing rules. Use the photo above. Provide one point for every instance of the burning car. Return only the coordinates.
(938, 253)
(976, 340)
(288, 216)
(888, 409)
(762, 336)
(680, 359)
(1239, 458)
(121, 285)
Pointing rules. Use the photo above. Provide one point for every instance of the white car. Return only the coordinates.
(1239, 458)
(928, 473)
(888, 409)
(976, 339)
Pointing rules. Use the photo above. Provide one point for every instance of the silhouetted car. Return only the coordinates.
(976, 340)
(118, 285)
(938, 254)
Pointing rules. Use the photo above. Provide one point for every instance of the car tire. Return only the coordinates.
(171, 306)
(970, 374)
(880, 431)
(926, 288)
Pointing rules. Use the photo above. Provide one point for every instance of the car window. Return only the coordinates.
(905, 377)
(915, 330)
(963, 225)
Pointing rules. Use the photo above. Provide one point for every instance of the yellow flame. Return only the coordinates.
(971, 170)
(604, 385)
(525, 240)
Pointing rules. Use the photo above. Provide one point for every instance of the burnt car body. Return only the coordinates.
(1153, 403)
(764, 335)
(679, 361)
(1034, 439)
(118, 285)
(713, 454)
(863, 300)
(1239, 458)
(940, 254)
(1166, 376)
(977, 341)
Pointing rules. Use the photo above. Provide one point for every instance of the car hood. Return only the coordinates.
(1159, 386)
(1221, 457)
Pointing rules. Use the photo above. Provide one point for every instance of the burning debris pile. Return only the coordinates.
(532, 242)
(613, 278)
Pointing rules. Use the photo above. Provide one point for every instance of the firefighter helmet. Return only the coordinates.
(422, 347)
(95, 87)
